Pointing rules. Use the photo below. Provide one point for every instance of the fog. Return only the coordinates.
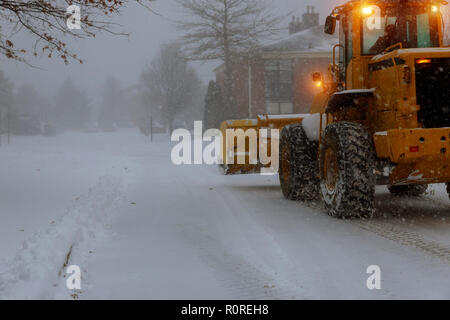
(123, 56)
(118, 59)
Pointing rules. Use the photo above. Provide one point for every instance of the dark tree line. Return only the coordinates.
(214, 112)
(23, 110)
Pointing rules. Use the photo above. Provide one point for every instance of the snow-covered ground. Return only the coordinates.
(140, 227)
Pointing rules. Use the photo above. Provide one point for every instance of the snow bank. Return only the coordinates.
(311, 124)
(38, 269)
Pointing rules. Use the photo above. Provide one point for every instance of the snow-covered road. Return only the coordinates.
(140, 227)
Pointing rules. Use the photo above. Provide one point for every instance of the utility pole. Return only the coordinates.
(2, 125)
(9, 123)
(151, 129)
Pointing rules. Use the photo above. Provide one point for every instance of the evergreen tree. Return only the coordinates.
(6, 100)
(214, 106)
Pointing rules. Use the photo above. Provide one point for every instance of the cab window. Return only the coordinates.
(415, 28)
(374, 26)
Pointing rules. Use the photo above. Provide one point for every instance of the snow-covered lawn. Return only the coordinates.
(140, 227)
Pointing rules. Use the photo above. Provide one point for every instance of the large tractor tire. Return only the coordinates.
(347, 178)
(298, 165)
(448, 188)
(408, 191)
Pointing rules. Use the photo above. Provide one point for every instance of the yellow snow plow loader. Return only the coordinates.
(383, 116)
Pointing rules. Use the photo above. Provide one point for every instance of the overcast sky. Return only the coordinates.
(124, 57)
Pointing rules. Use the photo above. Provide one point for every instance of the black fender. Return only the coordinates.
(344, 100)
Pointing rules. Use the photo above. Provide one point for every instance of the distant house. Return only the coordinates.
(276, 79)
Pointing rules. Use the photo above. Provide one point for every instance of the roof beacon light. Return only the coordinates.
(367, 11)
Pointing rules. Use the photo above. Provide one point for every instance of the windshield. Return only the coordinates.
(415, 28)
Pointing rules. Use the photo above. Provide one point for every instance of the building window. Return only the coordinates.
(279, 95)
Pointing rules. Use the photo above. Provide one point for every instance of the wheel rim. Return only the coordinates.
(285, 163)
(331, 170)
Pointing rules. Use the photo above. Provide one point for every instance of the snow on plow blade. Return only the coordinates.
(251, 146)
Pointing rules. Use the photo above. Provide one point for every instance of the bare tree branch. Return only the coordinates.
(224, 29)
(46, 22)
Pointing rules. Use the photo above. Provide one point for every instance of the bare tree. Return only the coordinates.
(171, 82)
(46, 22)
(223, 29)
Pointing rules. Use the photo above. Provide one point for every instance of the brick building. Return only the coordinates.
(277, 78)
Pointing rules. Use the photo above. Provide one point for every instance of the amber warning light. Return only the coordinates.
(423, 61)
(318, 79)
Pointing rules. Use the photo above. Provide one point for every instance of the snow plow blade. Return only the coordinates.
(245, 142)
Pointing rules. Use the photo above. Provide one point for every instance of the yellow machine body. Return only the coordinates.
(252, 130)
(379, 91)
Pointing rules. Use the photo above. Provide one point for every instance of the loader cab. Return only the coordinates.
(363, 33)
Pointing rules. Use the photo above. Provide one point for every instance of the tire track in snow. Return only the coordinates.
(250, 280)
(391, 209)
(232, 266)
(243, 279)
(407, 238)
(388, 230)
